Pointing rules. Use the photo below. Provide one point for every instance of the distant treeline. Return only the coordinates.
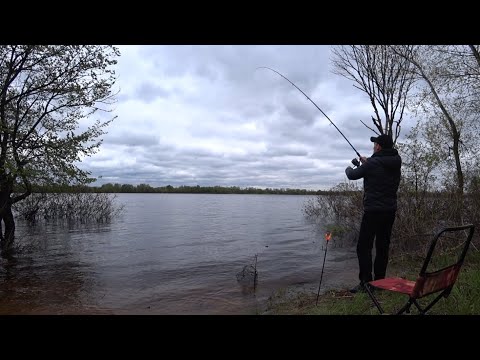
(197, 189)
(145, 188)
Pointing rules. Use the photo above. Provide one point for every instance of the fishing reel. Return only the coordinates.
(355, 162)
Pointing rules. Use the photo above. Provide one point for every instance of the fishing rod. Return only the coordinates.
(264, 67)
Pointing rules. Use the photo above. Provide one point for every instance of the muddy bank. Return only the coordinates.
(340, 273)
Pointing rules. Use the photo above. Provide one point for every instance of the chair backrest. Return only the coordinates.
(443, 279)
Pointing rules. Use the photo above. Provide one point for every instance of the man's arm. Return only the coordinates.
(355, 174)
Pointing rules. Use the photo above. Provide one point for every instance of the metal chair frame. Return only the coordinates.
(427, 283)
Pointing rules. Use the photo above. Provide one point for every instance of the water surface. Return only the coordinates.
(172, 254)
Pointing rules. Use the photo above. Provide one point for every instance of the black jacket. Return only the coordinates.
(381, 177)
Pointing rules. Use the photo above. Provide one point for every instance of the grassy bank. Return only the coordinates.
(463, 300)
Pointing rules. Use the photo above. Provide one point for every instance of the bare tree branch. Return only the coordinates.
(384, 76)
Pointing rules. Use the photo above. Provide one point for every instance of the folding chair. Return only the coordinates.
(427, 282)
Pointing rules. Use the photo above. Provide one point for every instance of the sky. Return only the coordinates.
(206, 115)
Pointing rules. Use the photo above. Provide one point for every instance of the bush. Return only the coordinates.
(418, 218)
(81, 207)
(340, 211)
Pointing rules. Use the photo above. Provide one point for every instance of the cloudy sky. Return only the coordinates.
(205, 115)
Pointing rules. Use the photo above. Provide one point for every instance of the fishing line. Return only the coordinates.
(275, 71)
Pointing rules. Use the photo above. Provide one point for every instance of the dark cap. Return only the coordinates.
(385, 141)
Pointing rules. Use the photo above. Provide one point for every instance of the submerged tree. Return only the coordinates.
(48, 95)
(384, 76)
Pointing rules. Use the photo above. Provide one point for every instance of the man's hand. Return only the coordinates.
(363, 159)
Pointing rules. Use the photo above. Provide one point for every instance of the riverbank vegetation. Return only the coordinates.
(463, 300)
(73, 206)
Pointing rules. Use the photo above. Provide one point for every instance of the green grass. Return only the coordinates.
(463, 300)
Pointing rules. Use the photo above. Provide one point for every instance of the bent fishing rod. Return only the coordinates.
(275, 71)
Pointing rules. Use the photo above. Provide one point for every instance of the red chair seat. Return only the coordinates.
(395, 284)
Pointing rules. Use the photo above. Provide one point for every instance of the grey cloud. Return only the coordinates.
(149, 92)
(279, 151)
(301, 115)
(206, 71)
(196, 152)
(131, 139)
(220, 131)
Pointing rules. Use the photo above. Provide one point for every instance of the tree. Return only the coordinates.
(48, 95)
(419, 161)
(450, 96)
(384, 76)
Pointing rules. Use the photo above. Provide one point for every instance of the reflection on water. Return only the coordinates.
(57, 288)
(170, 254)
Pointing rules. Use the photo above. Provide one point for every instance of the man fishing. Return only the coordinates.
(381, 177)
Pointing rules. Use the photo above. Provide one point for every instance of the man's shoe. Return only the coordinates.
(359, 288)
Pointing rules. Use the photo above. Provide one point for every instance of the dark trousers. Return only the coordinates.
(378, 226)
